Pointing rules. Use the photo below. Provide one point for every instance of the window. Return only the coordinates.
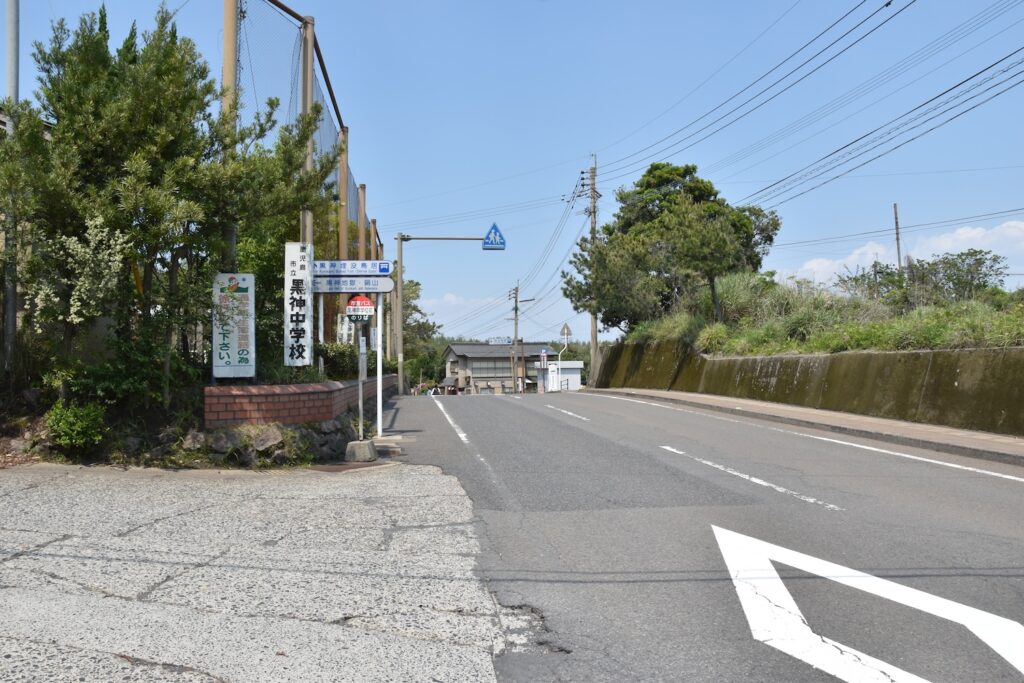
(491, 368)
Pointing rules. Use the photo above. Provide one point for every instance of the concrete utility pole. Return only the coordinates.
(306, 217)
(595, 355)
(11, 222)
(899, 253)
(228, 107)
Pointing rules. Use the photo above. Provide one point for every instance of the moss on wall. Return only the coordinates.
(980, 389)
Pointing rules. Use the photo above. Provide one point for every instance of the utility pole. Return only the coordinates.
(514, 295)
(361, 222)
(899, 253)
(11, 222)
(308, 37)
(229, 108)
(342, 217)
(592, 212)
(399, 336)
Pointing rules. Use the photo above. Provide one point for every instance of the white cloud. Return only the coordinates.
(1006, 239)
(823, 270)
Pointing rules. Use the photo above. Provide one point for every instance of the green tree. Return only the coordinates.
(700, 242)
(640, 266)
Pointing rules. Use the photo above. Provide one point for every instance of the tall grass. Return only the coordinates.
(762, 317)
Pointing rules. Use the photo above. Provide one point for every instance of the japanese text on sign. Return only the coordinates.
(298, 303)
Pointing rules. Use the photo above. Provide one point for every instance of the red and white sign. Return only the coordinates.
(359, 309)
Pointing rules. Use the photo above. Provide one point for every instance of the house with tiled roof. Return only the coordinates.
(480, 368)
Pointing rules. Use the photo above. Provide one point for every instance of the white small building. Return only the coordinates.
(565, 379)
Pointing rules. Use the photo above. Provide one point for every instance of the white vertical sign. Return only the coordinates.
(298, 303)
(234, 325)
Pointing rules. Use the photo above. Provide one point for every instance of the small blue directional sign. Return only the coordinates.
(494, 239)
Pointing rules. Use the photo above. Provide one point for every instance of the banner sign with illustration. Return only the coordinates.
(234, 325)
(298, 303)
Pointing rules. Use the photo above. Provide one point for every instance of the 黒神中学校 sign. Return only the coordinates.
(298, 303)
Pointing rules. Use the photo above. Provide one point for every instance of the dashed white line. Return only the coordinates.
(578, 417)
(861, 446)
(754, 480)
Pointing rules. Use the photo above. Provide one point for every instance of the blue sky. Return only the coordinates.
(466, 113)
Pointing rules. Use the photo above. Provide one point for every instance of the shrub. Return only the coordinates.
(77, 426)
(712, 338)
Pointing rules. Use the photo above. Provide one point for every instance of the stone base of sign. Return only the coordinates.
(360, 451)
(228, 406)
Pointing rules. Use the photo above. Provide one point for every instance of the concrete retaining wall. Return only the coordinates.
(981, 389)
(286, 403)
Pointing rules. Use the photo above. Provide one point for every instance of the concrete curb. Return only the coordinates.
(898, 439)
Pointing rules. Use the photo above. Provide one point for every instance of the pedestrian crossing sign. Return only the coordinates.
(494, 239)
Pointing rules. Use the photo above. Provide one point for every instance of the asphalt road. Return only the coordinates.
(665, 543)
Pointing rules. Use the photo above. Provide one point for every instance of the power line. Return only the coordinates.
(764, 90)
(906, 142)
(916, 227)
(934, 47)
(892, 123)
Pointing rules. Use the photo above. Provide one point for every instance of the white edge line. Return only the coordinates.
(755, 480)
(886, 451)
(458, 430)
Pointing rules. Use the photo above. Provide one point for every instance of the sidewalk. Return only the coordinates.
(986, 445)
(203, 575)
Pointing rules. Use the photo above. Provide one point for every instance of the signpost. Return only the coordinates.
(234, 325)
(565, 334)
(359, 309)
(348, 285)
(351, 268)
(494, 240)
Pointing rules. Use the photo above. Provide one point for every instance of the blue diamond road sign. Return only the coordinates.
(494, 240)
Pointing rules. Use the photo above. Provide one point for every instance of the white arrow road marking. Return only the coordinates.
(776, 620)
(578, 417)
(755, 480)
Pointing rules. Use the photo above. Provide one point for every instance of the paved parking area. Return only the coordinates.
(147, 575)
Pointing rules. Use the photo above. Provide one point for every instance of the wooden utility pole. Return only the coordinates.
(361, 222)
(899, 253)
(595, 354)
(306, 217)
(229, 107)
(342, 218)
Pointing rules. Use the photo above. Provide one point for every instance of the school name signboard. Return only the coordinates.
(298, 303)
(234, 325)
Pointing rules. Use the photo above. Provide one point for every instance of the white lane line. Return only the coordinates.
(578, 417)
(776, 620)
(840, 442)
(902, 455)
(755, 480)
(458, 430)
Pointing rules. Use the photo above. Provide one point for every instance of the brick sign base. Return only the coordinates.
(286, 403)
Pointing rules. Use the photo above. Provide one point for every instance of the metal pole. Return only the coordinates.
(380, 368)
(11, 222)
(399, 318)
(306, 217)
(374, 252)
(362, 376)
